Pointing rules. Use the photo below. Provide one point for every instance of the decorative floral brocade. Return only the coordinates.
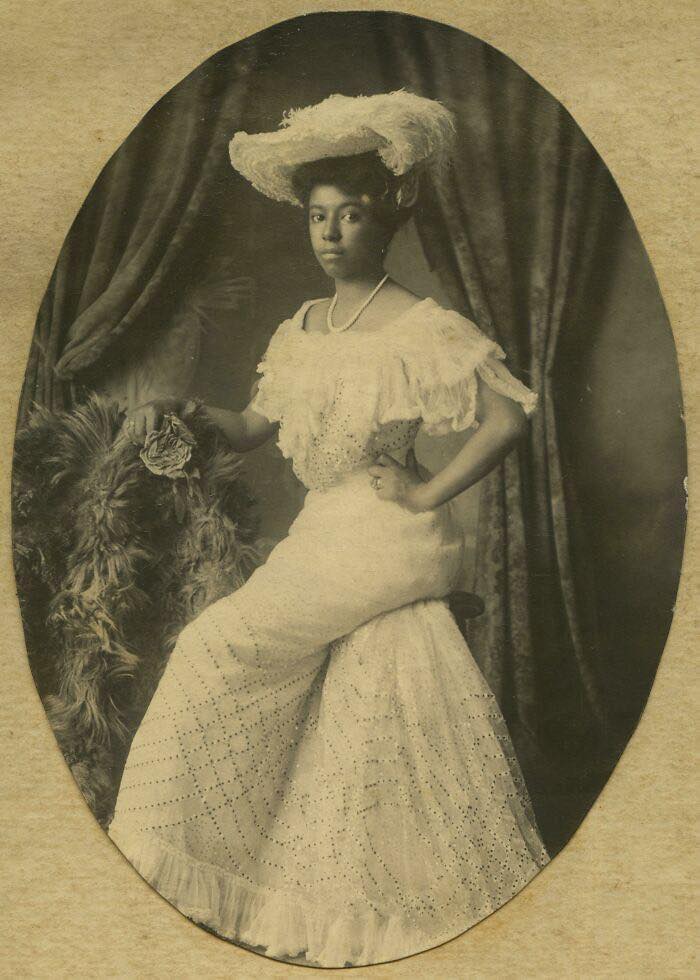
(341, 399)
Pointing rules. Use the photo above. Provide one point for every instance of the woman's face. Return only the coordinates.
(346, 236)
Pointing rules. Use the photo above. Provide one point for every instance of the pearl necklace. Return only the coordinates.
(329, 314)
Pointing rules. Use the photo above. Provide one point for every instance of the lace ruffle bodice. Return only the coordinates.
(342, 399)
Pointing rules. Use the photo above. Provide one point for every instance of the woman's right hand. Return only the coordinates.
(148, 417)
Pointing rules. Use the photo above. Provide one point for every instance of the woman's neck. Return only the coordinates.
(351, 292)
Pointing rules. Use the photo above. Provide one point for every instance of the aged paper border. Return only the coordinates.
(76, 77)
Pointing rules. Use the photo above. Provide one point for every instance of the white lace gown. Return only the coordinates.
(323, 771)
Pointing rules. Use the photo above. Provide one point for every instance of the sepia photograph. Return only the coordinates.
(348, 487)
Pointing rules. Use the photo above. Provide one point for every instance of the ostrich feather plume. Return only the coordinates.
(408, 131)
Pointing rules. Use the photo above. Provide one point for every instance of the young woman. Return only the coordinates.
(323, 772)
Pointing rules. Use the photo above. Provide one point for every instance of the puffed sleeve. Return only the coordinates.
(445, 356)
(271, 388)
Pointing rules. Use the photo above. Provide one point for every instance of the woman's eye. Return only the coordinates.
(351, 216)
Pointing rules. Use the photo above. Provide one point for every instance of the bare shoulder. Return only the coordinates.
(315, 319)
(400, 297)
(392, 302)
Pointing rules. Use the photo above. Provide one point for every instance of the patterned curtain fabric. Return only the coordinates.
(521, 233)
(525, 237)
(139, 240)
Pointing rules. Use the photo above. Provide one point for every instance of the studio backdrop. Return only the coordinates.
(175, 273)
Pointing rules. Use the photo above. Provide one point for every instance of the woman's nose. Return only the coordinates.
(332, 231)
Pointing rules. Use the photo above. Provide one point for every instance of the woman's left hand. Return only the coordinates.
(403, 484)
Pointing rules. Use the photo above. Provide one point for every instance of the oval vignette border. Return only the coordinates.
(46, 817)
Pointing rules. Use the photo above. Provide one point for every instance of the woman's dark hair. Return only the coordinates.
(361, 173)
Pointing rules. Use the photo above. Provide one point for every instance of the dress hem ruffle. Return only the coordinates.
(285, 924)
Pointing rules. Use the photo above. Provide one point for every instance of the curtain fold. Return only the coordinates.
(525, 236)
(514, 233)
(135, 245)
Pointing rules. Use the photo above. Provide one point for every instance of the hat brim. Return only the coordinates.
(268, 160)
(405, 129)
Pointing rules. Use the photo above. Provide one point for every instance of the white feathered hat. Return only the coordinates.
(408, 131)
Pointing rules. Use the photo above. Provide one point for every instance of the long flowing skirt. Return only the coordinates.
(323, 771)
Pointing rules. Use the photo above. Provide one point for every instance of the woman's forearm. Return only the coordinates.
(486, 448)
(501, 424)
(244, 430)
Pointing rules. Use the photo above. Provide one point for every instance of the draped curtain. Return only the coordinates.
(523, 235)
(139, 241)
(521, 232)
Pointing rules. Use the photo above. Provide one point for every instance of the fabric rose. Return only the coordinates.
(168, 450)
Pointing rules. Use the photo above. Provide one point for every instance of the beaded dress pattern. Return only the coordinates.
(323, 771)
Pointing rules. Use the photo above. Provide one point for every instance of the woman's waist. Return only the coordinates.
(357, 475)
(328, 479)
(353, 498)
